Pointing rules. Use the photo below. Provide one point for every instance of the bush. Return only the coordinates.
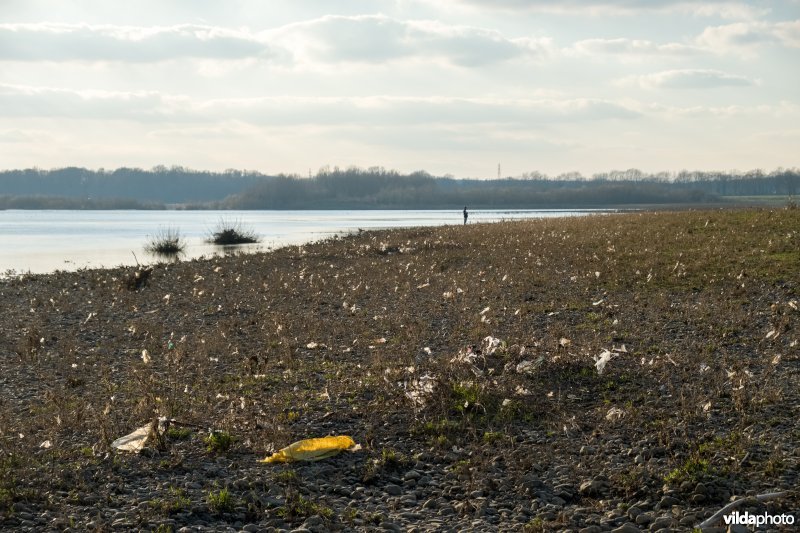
(230, 232)
(167, 242)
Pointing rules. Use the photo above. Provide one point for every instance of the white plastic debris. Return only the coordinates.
(418, 389)
(146, 356)
(615, 413)
(528, 367)
(134, 441)
(46, 444)
(600, 361)
(491, 344)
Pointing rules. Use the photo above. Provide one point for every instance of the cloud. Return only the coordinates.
(33, 102)
(82, 42)
(631, 47)
(746, 36)
(330, 39)
(378, 39)
(724, 8)
(689, 79)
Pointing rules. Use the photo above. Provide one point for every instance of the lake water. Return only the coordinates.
(45, 241)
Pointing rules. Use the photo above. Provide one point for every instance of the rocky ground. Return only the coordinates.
(608, 373)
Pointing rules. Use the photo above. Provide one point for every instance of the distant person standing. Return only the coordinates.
(465, 214)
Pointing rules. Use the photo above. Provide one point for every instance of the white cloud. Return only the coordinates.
(378, 39)
(329, 39)
(688, 79)
(18, 101)
(724, 8)
(81, 42)
(746, 36)
(630, 47)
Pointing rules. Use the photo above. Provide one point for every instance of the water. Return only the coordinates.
(45, 241)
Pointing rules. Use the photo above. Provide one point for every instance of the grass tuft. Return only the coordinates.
(232, 232)
(167, 242)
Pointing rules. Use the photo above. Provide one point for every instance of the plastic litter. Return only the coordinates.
(134, 441)
(312, 449)
(601, 360)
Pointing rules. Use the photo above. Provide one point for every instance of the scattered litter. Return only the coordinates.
(776, 359)
(465, 356)
(492, 344)
(621, 349)
(486, 310)
(707, 406)
(598, 302)
(418, 389)
(704, 367)
(615, 413)
(46, 444)
(314, 345)
(773, 334)
(506, 402)
(447, 294)
(528, 367)
(312, 449)
(146, 356)
(134, 441)
(601, 360)
(564, 342)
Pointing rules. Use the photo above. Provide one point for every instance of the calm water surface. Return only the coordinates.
(45, 241)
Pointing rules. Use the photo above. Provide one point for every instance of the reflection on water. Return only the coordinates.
(44, 241)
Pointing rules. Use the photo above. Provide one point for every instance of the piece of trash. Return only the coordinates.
(146, 356)
(598, 302)
(492, 344)
(621, 349)
(46, 444)
(506, 402)
(312, 449)
(134, 441)
(602, 360)
(417, 390)
(773, 334)
(486, 310)
(564, 342)
(528, 367)
(615, 413)
(776, 359)
(704, 367)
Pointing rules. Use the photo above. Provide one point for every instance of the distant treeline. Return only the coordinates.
(174, 185)
(378, 188)
(373, 188)
(63, 202)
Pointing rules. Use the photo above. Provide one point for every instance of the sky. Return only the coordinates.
(452, 87)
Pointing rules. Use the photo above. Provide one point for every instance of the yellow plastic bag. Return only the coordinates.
(312, 449)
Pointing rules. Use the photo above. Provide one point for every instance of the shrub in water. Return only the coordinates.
(230, 232)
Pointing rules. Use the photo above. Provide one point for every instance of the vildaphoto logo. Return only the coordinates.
(758, 520)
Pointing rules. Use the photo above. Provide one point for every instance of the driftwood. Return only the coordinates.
(734, 504)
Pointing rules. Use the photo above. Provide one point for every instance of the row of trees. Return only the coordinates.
(375, 187)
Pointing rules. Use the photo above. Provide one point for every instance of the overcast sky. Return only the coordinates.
(447, 86)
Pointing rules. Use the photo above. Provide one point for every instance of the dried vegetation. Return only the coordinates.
(648, 353)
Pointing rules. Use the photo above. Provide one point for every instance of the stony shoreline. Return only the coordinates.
(466, 362)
